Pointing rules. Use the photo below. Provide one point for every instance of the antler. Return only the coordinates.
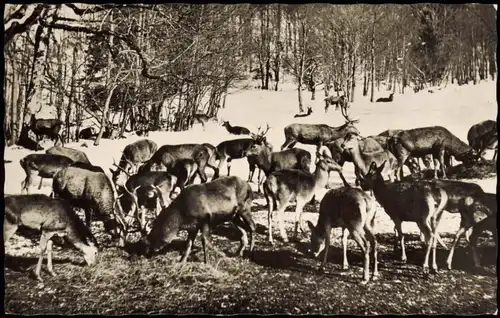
(260, 134)
(343, 110)
(117, 166)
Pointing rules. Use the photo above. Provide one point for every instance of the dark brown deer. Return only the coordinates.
(167, 154)
(385, 99)
(337, 101)
(51, 217)
(282, 186)
(73, 154)
(93, 192)
(483, 136)
(352, 209)
(200, 207)
(235, 130)
(409, 202)
(316, 134)
(46, 127)
(45, 164)
(134, 155)
(88, 133)
(309, 112)
(435, 140)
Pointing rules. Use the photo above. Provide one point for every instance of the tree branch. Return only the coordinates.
(13, 27)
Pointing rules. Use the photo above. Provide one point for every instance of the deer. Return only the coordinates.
(88, 133)
(385, 99)
(435, 140)
(483, 136)
(352, 209)
(167, 154)
(203, 119)
(269, 161)
(213, 157)
(73, 154)
(315, 134)
(51, 217)
(133, 156)
(235, 130)
(282, 186)
(336, 100)
(199, 207)
(309, 112)
(362, 159)
(46, 127)
(404, 201)
(93, 192)
(26, 141)
(45, 164)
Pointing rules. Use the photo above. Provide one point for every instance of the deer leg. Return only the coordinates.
(345, 235)
(442, 162)
(369, 231)
(359, 237)
(425, 227)
(495, 155)
(205, 239)
(219, 167)
(201, 173)
(229, 166)
(401, 239)
(461, 230)
(286, 143)
(251, 171)
(299, 207)
(189, 244)
(88, 217)
(477, 229)
(49, 258)
(43, 246)
(40, 185)
(242, 227)
(327, 246)
(282, 204)
(346, 184)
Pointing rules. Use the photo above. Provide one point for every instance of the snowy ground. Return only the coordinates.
(454, 107)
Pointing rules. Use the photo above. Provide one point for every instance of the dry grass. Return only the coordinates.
(480, 170)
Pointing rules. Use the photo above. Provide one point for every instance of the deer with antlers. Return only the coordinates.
(133, 156)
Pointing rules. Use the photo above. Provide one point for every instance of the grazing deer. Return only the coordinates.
(146, 187)
(52, 217)
(235, 130)
(88, 133)
(199, 207)
(269, 161)
(483, 136)
(46, 127)
(315, 134)
(385, 99)
(203, 119)
(133, 156)
(93, 192)
(167, 154)
(336, 100)
(309, 112)
(45, 164)
(362, 159)
(352, 209)
(435, 140)
(73, 154)
(409, 202)
(26, 141)
(283, 186)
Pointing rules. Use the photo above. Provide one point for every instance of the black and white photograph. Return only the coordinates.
(250, 158)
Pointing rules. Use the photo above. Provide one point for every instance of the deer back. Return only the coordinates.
(74, 154)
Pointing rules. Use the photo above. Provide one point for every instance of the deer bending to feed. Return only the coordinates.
(483, 136)
(93, 192)
(362, 160)
(385, 99)
(168, 154)
(45, 164)
(203, 119)
(283, 186)
(435, 140)
(316, 134)
(235, 130)
(142, 189)
(409, 202)
(46, 127)
(336, 100)
(352, 209)
(52, 217)
(73, 154)
(199, 207)
(309, 112)
(133, 156)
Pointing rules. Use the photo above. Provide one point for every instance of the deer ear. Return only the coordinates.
(112, 171)
(311, 226)
(382, 166)
(373, 167)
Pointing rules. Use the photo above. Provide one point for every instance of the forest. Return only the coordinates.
(162, 64)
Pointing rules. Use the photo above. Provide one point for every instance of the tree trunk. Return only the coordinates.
(365, 82)
(353, 72)
(278, 47)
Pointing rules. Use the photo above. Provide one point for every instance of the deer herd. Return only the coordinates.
(161, 179)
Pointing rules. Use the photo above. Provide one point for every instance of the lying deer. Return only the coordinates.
(52, 217)
(235, 130)
(352, 209)
(385, 99)
(409, 202)
(309, 112)
(199, 207)
(283, 186)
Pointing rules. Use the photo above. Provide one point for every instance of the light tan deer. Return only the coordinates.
(283, 186)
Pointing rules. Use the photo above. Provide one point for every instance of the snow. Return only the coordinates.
(454, 107)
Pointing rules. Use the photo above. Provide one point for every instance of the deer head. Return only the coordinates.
(260, 136)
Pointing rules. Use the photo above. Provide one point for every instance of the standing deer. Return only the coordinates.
(352, 209)
(336, 100)
(200, 207)
(45, 164)
(46, 127)
(51, 217)
(409, 202)
(283, 186)
(133, 156)
(483, 136)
